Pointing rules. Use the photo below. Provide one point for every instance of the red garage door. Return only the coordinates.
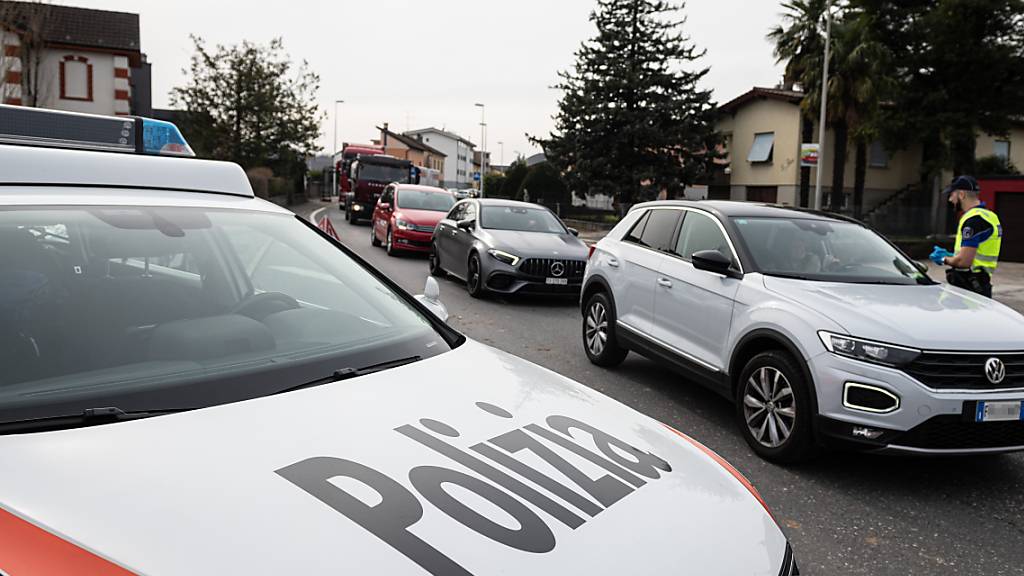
(1010, 207)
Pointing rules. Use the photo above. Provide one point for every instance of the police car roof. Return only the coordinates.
(36, 166)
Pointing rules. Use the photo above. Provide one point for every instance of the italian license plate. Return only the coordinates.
(998, 411)
(558, 281)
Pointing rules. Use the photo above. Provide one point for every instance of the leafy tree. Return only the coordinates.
(632, 121)
(514, 177)
(247, 103)
(545, 186)
(995, 166)
(493, 184)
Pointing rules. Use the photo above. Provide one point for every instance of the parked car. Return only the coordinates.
(508, 247)
(197, 381)
(819, 329)
(405, 217)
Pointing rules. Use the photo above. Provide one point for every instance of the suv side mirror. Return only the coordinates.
(466, 224)
(574, 232)
(713, 261)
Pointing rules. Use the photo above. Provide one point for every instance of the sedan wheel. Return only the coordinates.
(474, 280)
(598, 334)
(374, 241)
(434, 261)
(774, 408)
(389, 245)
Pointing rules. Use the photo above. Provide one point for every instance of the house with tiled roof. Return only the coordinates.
(410, 148)
(74, 59)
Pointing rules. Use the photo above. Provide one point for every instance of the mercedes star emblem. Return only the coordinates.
(995, 370)
(557, 269)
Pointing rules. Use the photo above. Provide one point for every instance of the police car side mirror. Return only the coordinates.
(431, 298)
(574, 232)
(921, 266)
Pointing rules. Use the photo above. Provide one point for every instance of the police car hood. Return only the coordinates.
(473, 460)
(935, 317)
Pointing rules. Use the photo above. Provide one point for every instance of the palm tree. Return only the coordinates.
(857, 79)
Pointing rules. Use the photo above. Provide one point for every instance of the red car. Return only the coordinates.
(406, 215)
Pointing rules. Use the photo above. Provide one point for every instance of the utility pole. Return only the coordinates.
(334, 165)
(502, 144)
(824, 107)
(483, 147)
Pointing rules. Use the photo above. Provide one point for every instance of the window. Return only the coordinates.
(638, 229)
(389, 195)
(765, 194)
(470, 211)
(457, 212)
(878, 157)
(75, 78)
(761, 149)
(658, 226)
(701, 232)
(1001, 148)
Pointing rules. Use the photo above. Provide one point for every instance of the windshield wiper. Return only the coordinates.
(349, 372)
(88, 417)
(791, 276)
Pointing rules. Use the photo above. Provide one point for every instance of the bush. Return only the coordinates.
(494, 185)
(995, 166)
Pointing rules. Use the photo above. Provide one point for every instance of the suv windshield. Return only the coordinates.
(170, 308)
(382, 173)
(424, 200)
(521, 219)
(832, 251)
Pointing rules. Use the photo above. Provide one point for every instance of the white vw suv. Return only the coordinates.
(822, 331)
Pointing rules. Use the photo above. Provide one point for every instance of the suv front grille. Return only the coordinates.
(943, 371)
(955, 433)
(541, 268)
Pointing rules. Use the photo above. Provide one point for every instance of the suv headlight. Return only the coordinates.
(502, 256)
(868, 351)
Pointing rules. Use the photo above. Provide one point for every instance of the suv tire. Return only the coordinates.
(599, 340)
(434, 262)
(774, 410)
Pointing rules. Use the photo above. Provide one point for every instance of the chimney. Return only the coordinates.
(384, 135)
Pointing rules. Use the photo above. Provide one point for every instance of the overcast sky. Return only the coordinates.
(425, 63)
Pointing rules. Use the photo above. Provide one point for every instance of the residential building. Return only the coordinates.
(74, 59)
(409, 148)
(762, 130)
(458, 163)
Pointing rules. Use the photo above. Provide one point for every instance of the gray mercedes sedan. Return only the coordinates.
(508, 247)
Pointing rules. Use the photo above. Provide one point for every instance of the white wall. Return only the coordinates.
(102, 83)
(452, 149)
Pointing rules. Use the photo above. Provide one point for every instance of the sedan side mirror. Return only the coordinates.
(715, 262)
(431, 298)
(574, 232)
(467, 224)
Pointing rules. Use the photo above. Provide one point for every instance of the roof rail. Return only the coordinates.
(58, 129)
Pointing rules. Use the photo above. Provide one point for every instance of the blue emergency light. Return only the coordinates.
(58, 129)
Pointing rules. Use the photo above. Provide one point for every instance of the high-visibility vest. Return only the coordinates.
(987, 258)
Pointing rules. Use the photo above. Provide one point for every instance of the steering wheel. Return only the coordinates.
(260, 305)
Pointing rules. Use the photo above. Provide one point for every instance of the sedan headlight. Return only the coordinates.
(868, 351)
(402, 224)
(502, 256)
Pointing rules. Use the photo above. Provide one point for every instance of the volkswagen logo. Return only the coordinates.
(995, 370)
(557, 269)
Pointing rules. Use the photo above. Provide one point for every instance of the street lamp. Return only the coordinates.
(824, 106)
(334, 150)
(483, 147)
(502, 144)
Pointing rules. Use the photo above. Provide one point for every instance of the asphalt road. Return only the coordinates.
(844, 513)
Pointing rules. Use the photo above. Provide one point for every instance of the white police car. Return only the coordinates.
(196, 381)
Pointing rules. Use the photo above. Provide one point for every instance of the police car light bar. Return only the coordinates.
(58, 129)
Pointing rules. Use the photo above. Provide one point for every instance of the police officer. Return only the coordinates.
(978, 238)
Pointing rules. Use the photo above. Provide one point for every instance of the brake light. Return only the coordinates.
(591, 253)
(729, 467)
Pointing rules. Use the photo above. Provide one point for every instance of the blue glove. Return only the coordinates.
(938, 254)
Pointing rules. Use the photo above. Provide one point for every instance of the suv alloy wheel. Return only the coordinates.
(598, 332)
(773, 408)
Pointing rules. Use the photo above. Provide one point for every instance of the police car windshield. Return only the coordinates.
(828, 251)
(167, 308)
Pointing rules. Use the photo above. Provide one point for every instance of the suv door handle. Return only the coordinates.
(664, 282)
(613, 262)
